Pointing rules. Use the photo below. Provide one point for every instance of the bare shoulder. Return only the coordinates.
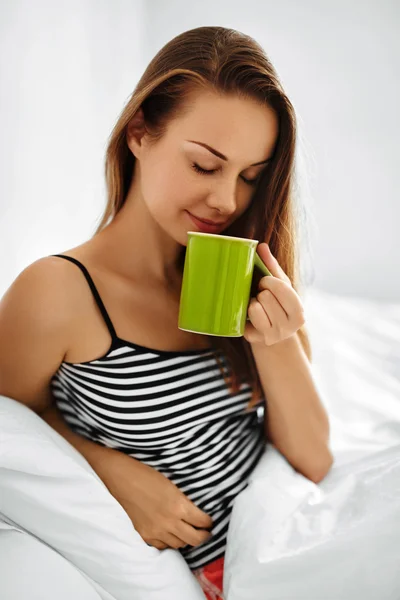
(44, 287)
(35, 314)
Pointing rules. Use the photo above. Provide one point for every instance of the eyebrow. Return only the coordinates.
(220, 155)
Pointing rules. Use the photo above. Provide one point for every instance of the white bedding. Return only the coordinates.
(339, 540)
(356, 347)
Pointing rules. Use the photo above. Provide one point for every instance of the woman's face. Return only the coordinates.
(225, 136)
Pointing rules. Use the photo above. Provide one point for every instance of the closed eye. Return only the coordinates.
(198, 169)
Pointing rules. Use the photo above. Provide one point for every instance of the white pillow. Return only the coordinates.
(49, 490)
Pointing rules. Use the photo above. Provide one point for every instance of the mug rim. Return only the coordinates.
(219, 236)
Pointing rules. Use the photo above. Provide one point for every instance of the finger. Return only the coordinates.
(157, 544)
(196, 517)
(259, 317)
(287, 297)
(272, 308)
(173, 541)
(192, 536)
(269, 259)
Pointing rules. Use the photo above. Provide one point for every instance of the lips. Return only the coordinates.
(208, 222)
(207, 226)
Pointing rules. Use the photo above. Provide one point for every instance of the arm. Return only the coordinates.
(99, 457)
(36, 320)
(35, 325)
(296, 421)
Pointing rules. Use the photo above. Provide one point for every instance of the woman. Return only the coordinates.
(90, 341)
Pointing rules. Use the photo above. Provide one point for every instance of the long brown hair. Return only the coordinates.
(225, 61)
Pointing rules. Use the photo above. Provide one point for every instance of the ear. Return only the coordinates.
(135, 131)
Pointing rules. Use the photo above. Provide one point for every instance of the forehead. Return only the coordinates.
(240, 128)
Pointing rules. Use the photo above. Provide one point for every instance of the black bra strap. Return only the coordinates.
(95, 293)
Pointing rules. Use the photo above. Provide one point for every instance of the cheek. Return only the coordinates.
(156, 185)
(174, 183)
(167, 199)
(244, 198)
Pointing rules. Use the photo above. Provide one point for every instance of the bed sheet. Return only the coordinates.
(291, 539)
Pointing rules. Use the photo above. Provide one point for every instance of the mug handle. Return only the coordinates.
(259, 263)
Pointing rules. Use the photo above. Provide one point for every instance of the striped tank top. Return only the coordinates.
(173, 411)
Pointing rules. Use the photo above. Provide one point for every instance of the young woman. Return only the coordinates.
(167, 418)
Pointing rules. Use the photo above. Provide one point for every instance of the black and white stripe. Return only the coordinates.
(174, 412)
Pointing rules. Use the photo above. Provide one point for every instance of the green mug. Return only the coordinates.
(216, 284)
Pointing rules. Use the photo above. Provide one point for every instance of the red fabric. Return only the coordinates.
(210, 578)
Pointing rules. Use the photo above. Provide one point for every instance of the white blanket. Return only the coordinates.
(65, 536)
(338, 540)
(49, 491)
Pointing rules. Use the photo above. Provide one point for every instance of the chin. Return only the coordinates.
(182, 239)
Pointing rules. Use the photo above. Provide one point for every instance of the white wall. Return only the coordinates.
(66, 69)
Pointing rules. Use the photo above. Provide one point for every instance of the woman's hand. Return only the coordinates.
(161, 514)
(277, 312)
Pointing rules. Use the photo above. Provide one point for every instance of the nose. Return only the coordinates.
(223, 200)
